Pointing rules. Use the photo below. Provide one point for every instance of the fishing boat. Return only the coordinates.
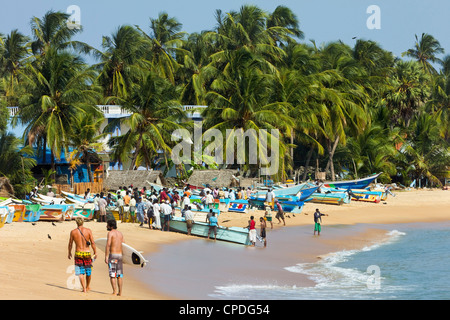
(6, 202)
(201, 229)
(368, 196)
(19, 212)
(52, 213)
(76, 197)
(49, 200)
(238, 205)
(352, 184)
(85, 211)
(292, 206)
(2, 220)
(32, 212)
(301, 191)
(337, 198)
(4, 214)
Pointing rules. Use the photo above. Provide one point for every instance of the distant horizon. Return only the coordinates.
(322, 21)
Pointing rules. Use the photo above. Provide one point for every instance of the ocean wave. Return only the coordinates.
(331, 280)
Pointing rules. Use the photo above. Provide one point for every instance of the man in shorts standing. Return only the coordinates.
(113, 257)
(317, 221)
(189, 217)
(213, 224)
(83, 262)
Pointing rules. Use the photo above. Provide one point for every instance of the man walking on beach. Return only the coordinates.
(113, 257)
(262, 233)
(280, 213)
(83, 262)
(317, 221)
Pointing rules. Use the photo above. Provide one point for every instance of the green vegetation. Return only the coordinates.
(350, 111)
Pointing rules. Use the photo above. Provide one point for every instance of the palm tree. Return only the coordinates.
(51, 31)
(283, 19)
(407, 93)
(424, 153)
(165, 40)
(122, 64)
(425, 51)
(55, 94)
(340, 93)
(193, 71)
(155, 113)
(241, 99)
(86, 140)
(14, 49)
(373, 150)
(16, 163)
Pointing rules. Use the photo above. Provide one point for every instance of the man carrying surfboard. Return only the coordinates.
(113, 257)
(83, 262)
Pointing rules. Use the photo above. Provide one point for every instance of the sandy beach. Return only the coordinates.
(34, 267)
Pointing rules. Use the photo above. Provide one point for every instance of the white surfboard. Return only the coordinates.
(130, 255)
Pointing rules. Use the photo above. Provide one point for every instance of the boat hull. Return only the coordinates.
(352, 184)
(32, 212)
(336, 198)
(201, 229)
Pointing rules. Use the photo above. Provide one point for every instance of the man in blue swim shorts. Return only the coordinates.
(83, 261)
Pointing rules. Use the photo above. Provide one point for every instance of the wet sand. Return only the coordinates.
(35, 267)
(193, 269)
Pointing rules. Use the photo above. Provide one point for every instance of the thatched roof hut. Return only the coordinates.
(214, 178)
(137, 178)
(6, 189)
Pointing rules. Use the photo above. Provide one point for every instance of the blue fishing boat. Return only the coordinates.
(292, 206)
(32, 212)
(301, 191)
(7, 214)
(337, 198)
(352, 184)
(201, 229)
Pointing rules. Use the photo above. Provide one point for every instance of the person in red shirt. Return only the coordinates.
(280, 213)
(163, 196)
(252, 231)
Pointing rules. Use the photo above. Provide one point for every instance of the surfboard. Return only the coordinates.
(130, 255)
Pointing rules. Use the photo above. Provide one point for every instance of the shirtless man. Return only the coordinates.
(83, 262)
(113, 257)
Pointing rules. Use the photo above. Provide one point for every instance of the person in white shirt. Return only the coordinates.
(186, 201)
(166, 209)
(189, 217)
(209, 200)
(133, 209)
(156, 212)
(232, 196)
(120, 205)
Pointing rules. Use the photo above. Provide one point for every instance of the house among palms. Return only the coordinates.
(101, 160)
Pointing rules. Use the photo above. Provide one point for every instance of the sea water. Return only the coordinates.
(411, 264)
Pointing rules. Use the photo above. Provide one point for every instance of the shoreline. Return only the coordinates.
(35, 267)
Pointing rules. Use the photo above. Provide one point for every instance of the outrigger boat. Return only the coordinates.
(201, 229)
(32, 212)
(352, 184)
(56, 212)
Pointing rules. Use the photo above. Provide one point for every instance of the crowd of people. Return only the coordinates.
(156, 208)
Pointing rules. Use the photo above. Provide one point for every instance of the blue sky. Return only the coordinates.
(320, 20)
